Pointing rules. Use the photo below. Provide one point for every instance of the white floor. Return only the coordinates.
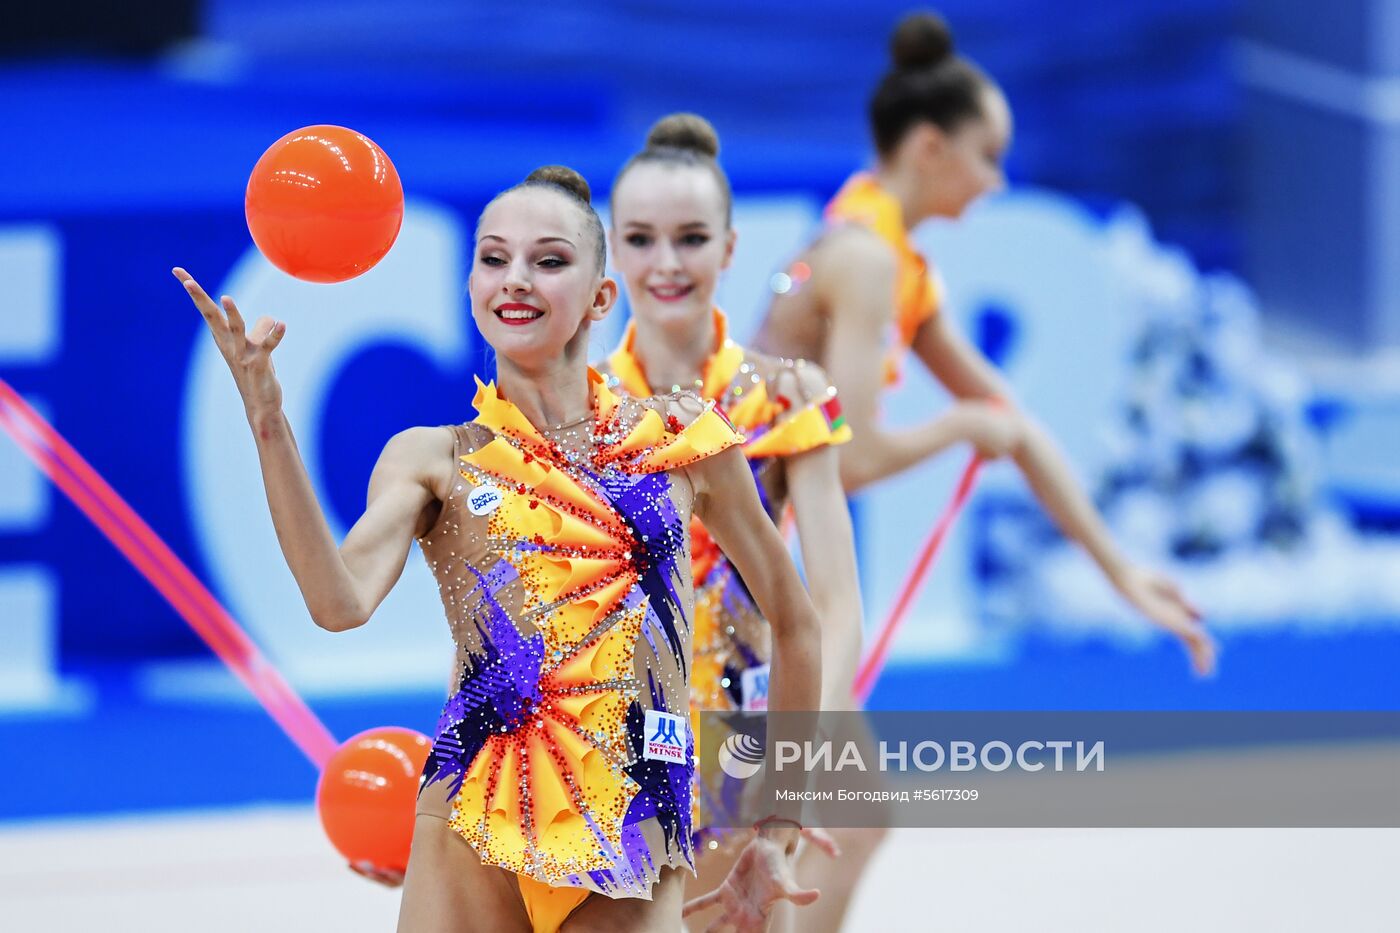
(270, 870)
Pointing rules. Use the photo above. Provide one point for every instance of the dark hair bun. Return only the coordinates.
(561, 176)
(921, 40)
(688, 131)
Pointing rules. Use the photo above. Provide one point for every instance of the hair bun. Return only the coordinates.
(688, 131)
(561, 176)
(921, 40)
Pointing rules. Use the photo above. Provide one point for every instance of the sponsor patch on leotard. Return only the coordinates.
(753, 684)
(666, 735)
(483, 500)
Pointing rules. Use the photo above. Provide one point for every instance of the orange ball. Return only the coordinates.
(367, 794)
(324, 203)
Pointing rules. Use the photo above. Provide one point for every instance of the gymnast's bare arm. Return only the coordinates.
(727, 502)
(342, 586)
(828, 544)
(854, 276)
(962, 368)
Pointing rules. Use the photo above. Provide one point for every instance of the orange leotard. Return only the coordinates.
(918, 293)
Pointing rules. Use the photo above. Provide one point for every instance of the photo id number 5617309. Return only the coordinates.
(945, 794)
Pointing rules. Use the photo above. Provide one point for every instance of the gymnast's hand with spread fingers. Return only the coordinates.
(341, 583)
(248, 354)
(1158, 598)
(762, 876)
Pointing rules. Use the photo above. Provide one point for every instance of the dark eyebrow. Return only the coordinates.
(543, 239)
(687, 226)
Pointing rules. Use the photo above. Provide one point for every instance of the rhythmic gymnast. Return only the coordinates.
(558, 792)
(671, 239)
(941, 127)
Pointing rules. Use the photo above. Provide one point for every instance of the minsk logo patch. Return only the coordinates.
(754, 687)
(666, 736)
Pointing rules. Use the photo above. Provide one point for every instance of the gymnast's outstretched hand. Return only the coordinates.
(1159, 598)
(248, 354)
(762, 876)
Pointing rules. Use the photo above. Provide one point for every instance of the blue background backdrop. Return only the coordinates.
(118, 166)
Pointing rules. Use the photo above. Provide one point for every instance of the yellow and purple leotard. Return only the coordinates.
(782, 408)
(563, 755)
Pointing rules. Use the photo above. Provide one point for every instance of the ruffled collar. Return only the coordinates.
(716, 375)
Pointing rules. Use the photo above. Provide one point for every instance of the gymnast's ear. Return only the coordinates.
(927, 141)
(603, 299)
